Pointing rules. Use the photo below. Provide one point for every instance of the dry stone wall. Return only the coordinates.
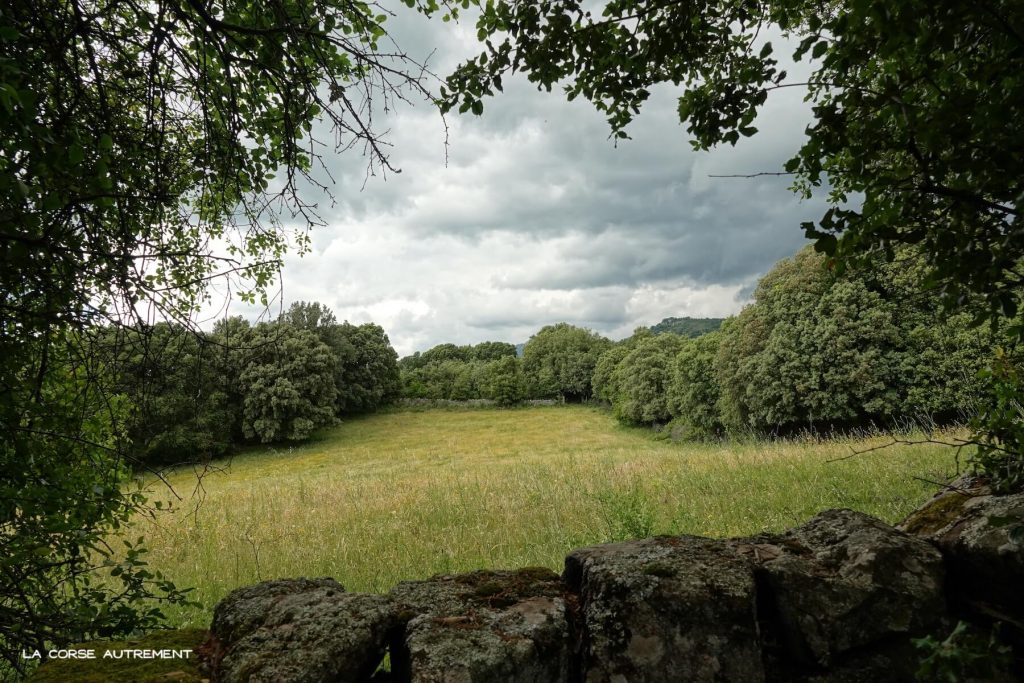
(836, 599)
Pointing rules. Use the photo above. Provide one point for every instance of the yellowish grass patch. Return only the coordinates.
(405, 495)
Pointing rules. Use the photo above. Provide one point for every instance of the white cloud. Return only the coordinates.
(537, 217)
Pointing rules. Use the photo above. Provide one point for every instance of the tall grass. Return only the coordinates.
(405, 495)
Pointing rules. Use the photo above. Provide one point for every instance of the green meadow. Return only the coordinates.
(408, 494)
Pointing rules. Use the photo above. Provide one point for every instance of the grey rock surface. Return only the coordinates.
(300, 631)
(841, 582)
(492, 626)
(665, 609)
(982, 539)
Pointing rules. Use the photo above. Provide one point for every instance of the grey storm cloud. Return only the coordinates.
(531, 215)
(554, 173)
(604, 308)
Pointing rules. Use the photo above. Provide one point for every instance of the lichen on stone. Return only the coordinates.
(936, 514)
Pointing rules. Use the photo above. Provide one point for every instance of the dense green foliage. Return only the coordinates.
(641, 379)
(449, 380)
(1001, 426)
(367, 375)
(193, 395)
(687, 327)
(180, 408)
(484, 351)
(820, 348)
(559, 361)
(817, 349)
(811, 349)
(916, 132)
(63, 473)
(502, 381)
(605, 382)
(134, 137)
(287, 384)
(488, 370)
(693, 392)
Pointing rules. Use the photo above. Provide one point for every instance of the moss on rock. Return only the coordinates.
(936, 514)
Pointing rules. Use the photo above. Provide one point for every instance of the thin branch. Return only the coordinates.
(752, 175)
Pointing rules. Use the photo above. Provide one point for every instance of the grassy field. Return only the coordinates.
(406, 495)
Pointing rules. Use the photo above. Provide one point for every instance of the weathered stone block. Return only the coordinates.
(300, 631)
(665, 609)
(487, 626)
(982, 538)
(843, 581)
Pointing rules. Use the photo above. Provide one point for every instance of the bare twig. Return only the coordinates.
(751, 175)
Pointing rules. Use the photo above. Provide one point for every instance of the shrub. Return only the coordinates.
(559, 361)
(287, 384)
(693, 391)
(502, 381)
(642, 380)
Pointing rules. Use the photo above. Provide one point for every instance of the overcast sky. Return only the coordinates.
(538, 217)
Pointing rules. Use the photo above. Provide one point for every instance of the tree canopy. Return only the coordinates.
(145, 149)
(819, 348)
(287, 384)
(693, 392)
(136, 132)
(816, 350)
(559, 361)
(366, 368)
(916, 106)
(642, 379)
(687, 327)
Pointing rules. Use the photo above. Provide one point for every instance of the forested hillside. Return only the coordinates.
(687, 327)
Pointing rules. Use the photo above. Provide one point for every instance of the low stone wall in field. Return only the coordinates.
(839, 598)
(468, 403)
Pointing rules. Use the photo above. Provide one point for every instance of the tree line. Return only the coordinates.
(816, 349)
(195, 395)
(556, 364)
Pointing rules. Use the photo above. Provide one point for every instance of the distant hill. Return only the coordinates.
(519, 349)
(687, 327)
